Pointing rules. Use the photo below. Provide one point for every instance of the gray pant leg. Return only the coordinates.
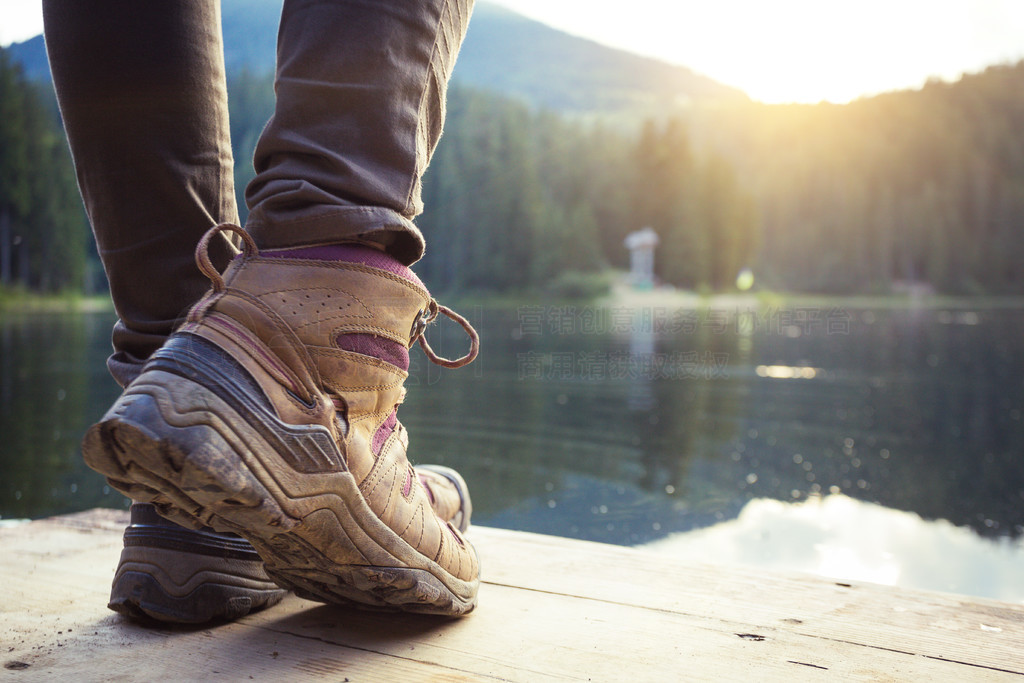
(360, 105)
(142, 93)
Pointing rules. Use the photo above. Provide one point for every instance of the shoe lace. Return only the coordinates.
(430, 315)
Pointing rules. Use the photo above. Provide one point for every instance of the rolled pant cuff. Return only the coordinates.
(328, 225)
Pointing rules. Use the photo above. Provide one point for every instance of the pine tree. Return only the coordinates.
(15, 190)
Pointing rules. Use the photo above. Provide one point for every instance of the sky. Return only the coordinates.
(774, 50)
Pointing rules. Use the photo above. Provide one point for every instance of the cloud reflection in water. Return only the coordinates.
(843, 538)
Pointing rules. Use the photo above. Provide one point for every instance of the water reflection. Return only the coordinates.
(53, 384)
(627, 425)
(847, 539)
(910, 409)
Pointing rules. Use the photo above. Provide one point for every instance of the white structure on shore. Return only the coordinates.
(641, 257)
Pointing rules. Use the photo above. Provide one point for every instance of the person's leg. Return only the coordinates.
(272, 411)
(360, 106)
(142, 93)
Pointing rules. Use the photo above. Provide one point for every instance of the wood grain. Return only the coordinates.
(550, 609)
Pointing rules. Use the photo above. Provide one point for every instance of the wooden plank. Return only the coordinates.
(982, 633)
(551, 609)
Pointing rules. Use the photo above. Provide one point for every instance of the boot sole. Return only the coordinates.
(141, 592)
(195, 436)
(172, 574)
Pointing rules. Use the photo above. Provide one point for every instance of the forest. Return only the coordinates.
(917, 187)
(920, 189)
(43, 230)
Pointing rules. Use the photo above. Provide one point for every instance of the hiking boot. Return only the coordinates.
(173, 574)
(261, 416)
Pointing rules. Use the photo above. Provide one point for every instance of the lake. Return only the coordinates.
(861, 443)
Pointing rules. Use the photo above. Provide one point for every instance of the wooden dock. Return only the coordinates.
(550, 609)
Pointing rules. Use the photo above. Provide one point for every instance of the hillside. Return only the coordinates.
(509, 54)
(504, 52)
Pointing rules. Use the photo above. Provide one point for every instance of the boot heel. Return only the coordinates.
(153, 450)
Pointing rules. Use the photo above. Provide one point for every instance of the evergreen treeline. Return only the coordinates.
(520, 199)
(922, 187)
(43, 232)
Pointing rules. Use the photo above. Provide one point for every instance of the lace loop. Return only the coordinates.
(474, 339)
(203, 252)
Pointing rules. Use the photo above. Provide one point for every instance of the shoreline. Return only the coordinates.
(619, 296)
(17, 302)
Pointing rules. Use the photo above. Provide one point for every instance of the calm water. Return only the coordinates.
(868, 444)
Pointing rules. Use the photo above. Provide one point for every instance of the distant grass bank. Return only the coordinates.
(621, 295)
(618, 294)
(613, 294)
(18, 300)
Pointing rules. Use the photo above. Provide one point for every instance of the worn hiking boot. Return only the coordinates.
(173, 574)
(257, 417)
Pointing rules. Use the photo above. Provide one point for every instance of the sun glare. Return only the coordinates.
(809, 51)
(780, 51)
(20, 20)
(803, 50)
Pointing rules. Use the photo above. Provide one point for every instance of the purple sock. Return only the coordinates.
(365, 344)
(352, 253)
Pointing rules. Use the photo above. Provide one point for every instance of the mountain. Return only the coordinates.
(31, 55)
(504, 52)
(510, 54)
